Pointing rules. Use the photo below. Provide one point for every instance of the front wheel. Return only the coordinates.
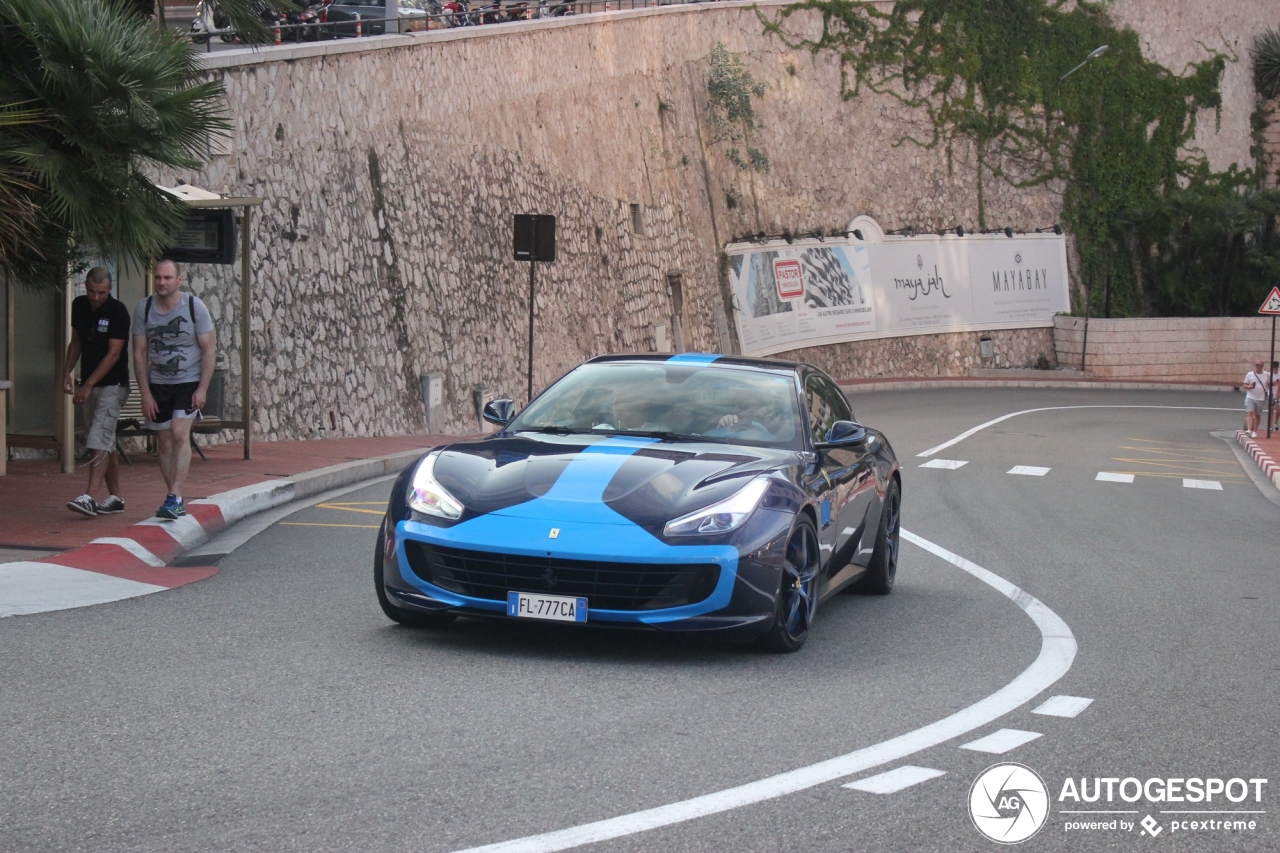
(408, 618)
(883, 569)
(797, 602)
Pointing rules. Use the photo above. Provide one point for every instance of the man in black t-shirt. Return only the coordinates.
(99, 330)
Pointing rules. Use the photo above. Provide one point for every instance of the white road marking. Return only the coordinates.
(28, 587)
(949, 464)
(1001, 742)
(980, 427)
(1063, 706)
(1029, 470)
(895, 780)
(1108, 477)
(1202, 484)
(1057, 651)
(132, 547)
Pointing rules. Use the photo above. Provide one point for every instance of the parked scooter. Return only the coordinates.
(518, 12)
(210, 21)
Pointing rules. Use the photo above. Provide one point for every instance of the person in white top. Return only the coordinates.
(1255, 397)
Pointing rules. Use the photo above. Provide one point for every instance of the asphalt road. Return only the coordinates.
(273, 707)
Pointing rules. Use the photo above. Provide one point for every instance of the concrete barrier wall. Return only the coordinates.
(391, 169)
(1172, 349)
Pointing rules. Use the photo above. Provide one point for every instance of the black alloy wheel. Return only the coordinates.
(408, 618)
(798, 591)
(883, 570)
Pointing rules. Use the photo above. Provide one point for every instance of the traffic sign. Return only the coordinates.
(1271, 305)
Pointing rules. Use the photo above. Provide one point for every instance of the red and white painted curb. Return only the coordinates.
(1268, 465)
(136, 561)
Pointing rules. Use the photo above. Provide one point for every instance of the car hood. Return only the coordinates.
(644, 480)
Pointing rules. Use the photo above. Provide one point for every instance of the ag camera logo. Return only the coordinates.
(1008, 803)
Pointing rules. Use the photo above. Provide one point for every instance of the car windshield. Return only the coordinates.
(719, 403)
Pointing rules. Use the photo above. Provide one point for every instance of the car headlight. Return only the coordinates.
(724, 516)
(426, 495)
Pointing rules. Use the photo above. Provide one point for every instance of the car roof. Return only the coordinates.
(707, 359)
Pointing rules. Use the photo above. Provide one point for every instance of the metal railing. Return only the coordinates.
(468, 15)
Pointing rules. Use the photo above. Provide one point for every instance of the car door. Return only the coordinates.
(840, 475)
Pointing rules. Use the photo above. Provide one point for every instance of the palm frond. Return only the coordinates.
(106, 97)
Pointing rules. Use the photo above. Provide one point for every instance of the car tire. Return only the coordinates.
(408, 618)
(883, 569)
(797, 599)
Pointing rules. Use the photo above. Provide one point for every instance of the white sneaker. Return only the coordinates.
(1253, 434)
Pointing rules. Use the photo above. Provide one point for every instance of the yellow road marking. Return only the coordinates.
(357, 503)
(1167, 476)
(1168, 454)
(1169, 443)
(352, 509)
(318, 524)
(1174, 467)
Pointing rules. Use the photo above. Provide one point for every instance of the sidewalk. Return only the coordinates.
(34, 493)
(56, 560)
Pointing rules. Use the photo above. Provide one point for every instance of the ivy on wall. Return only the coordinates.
(1112, 134)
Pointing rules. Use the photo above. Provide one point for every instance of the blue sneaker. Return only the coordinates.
(172, 509)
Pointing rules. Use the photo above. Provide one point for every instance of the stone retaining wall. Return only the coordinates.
(1188, 349)
(391, 169)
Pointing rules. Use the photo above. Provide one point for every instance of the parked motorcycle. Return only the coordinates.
(491, 13)
(459, 14)
(518, 12)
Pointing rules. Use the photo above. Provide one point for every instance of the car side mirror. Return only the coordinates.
(499, 412)
(843, 433)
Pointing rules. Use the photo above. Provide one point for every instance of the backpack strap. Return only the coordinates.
(146, 315)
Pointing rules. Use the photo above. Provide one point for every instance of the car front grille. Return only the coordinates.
(605, 585)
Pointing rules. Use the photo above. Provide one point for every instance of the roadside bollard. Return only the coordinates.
(277, 35)
(359, 30)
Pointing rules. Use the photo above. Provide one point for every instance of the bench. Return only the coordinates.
(133, 423)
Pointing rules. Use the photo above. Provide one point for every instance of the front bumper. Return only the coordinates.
(742, 601)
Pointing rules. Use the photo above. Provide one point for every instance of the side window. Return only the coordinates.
(826, 405)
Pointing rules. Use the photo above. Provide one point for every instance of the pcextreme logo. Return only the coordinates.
(1008, 803)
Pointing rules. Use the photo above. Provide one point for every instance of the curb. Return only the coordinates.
(859, 386)
(136, 561)
(1268, 465)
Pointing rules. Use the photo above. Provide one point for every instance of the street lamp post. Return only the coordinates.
(1097, 52)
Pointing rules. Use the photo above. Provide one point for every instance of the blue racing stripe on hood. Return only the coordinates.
(694, 358)
(586, 529)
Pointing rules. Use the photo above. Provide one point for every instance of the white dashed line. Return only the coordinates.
(1028, 470)
(1002, 741)
(1057, 651)
(949, 464)
(1108, 477)
(980, 427)
(895, 780)
(1202, 484)
(1063, 706)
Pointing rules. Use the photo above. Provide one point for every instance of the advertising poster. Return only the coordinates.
(815, 294)
(810, 293)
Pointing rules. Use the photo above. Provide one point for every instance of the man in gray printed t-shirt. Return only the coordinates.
(173, 351)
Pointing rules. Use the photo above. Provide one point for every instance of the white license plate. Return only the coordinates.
(558, 608)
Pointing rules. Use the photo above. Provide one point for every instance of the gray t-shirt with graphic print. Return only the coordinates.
(171, 338)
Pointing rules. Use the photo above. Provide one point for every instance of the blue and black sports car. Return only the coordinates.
(685, 493)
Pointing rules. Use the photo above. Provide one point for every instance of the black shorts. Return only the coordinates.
(170, 399)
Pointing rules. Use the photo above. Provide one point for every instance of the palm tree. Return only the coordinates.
(106, 98)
